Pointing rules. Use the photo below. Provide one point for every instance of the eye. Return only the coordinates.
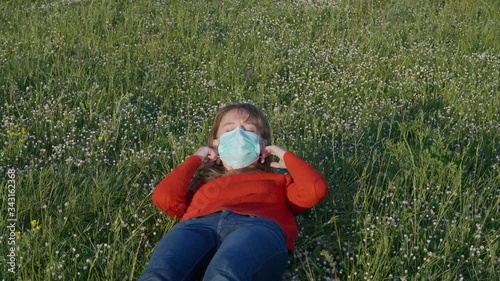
(250, 129)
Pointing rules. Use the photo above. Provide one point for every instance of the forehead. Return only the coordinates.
(237, 116)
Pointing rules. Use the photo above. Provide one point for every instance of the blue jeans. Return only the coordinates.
(218, 247)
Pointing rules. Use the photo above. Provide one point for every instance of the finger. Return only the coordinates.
(263, 156)
(275, 165)
(269, 149)
(276, 150)
(212, 154)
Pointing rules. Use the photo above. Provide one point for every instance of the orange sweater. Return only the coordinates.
(271, 196)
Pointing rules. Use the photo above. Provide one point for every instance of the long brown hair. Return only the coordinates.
(215, 171)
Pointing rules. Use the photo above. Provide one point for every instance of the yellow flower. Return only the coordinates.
(12, 134)
(100, 138)
(17, 133)
(18, 234)
(35, 226)
(34, 223)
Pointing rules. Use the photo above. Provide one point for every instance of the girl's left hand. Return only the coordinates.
(277, 151)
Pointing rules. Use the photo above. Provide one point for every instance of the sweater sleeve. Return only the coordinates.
(308, 186)
(170, 194)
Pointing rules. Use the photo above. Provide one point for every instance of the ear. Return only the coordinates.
(263, 144)
(215, 143)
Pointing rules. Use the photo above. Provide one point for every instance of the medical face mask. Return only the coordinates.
(239, 148)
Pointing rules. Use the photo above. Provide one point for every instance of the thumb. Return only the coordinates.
(275, 165)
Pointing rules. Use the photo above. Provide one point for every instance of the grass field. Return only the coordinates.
(397, 103)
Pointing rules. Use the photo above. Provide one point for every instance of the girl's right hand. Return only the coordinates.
(208, 155)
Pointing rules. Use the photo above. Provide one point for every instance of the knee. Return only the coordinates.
(243, 268)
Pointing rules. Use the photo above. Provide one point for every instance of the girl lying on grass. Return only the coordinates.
(236, 216)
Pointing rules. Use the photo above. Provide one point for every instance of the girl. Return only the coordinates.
(236, 216)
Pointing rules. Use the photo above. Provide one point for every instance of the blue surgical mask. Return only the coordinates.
(239, 148)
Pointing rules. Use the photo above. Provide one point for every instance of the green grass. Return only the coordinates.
(395, 102)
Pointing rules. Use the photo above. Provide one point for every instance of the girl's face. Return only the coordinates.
(230, 121)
